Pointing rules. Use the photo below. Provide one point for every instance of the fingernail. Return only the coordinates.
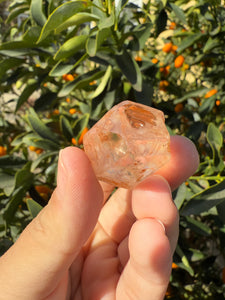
(62, 172)
(161, 223)
(61, 163)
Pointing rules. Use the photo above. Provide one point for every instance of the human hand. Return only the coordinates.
(78, 248)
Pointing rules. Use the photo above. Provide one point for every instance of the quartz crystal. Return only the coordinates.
(127, 144)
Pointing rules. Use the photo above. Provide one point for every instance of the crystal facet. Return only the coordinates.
(128, 144)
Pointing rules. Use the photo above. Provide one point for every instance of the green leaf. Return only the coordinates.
(31, 35)
(95, 41)
(196, 93)
(16, 12)
(70, 47)
(211, 44)
(80, 124)
(146, 93)
(40, 128)
(106, 22)
(189, 41)
(161, 21)
(7, 183)
(221, 211)
(60, 15)
(60, 69)
(33, 207)
(42, 157)
(81, 82)
(198, 226)
(8, 162)
(205, 200)
(140, 33)
(15, 200)
(66, 128)
(184, 260)
(44, 101)
(27, 92)
(44, 144)
(180, 196)
(24, 177)
(103, 83)
(77, 19)
(130, 69)
(215, 139)
(37, 13)
(179, 13)
(8, 64)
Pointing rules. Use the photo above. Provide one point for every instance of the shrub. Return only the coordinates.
(58, 57)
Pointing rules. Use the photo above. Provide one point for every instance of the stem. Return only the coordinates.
(207, 178)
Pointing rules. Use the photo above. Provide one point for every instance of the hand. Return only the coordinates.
(78, 248)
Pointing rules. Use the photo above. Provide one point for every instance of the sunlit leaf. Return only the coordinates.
(33, 207)
(103, 82)
(37, 12)
(60, 15)
(71, 46)
(205, 200)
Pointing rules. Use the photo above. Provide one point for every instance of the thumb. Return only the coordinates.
(35, 264)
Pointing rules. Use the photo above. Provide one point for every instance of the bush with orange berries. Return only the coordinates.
(57, 80)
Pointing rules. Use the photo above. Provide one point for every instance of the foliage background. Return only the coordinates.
(63, 64)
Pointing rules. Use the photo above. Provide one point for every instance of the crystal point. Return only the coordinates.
(128, 144)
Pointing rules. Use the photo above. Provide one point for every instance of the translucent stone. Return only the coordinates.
(127, 144)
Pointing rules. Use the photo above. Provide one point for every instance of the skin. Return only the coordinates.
(80, 248)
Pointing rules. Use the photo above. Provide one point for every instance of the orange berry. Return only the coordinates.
(167, 47)
(38, 150)
(155, 60)
(72, 111)
(43, 189)
(32, 148)
(68, 77)
(74, 141)
(211, 93)
(35, 149)
(138, 58)
(163, 84)
(174, 266)
(3, 150)
(55, 112)
(174, 49)
(45, 84)
(186, 67)
(165, 70)
(179, 107)
(172, 25)
(85, 130)
(179, 61)
(93, 82)
(68, 100)
(217, 102)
